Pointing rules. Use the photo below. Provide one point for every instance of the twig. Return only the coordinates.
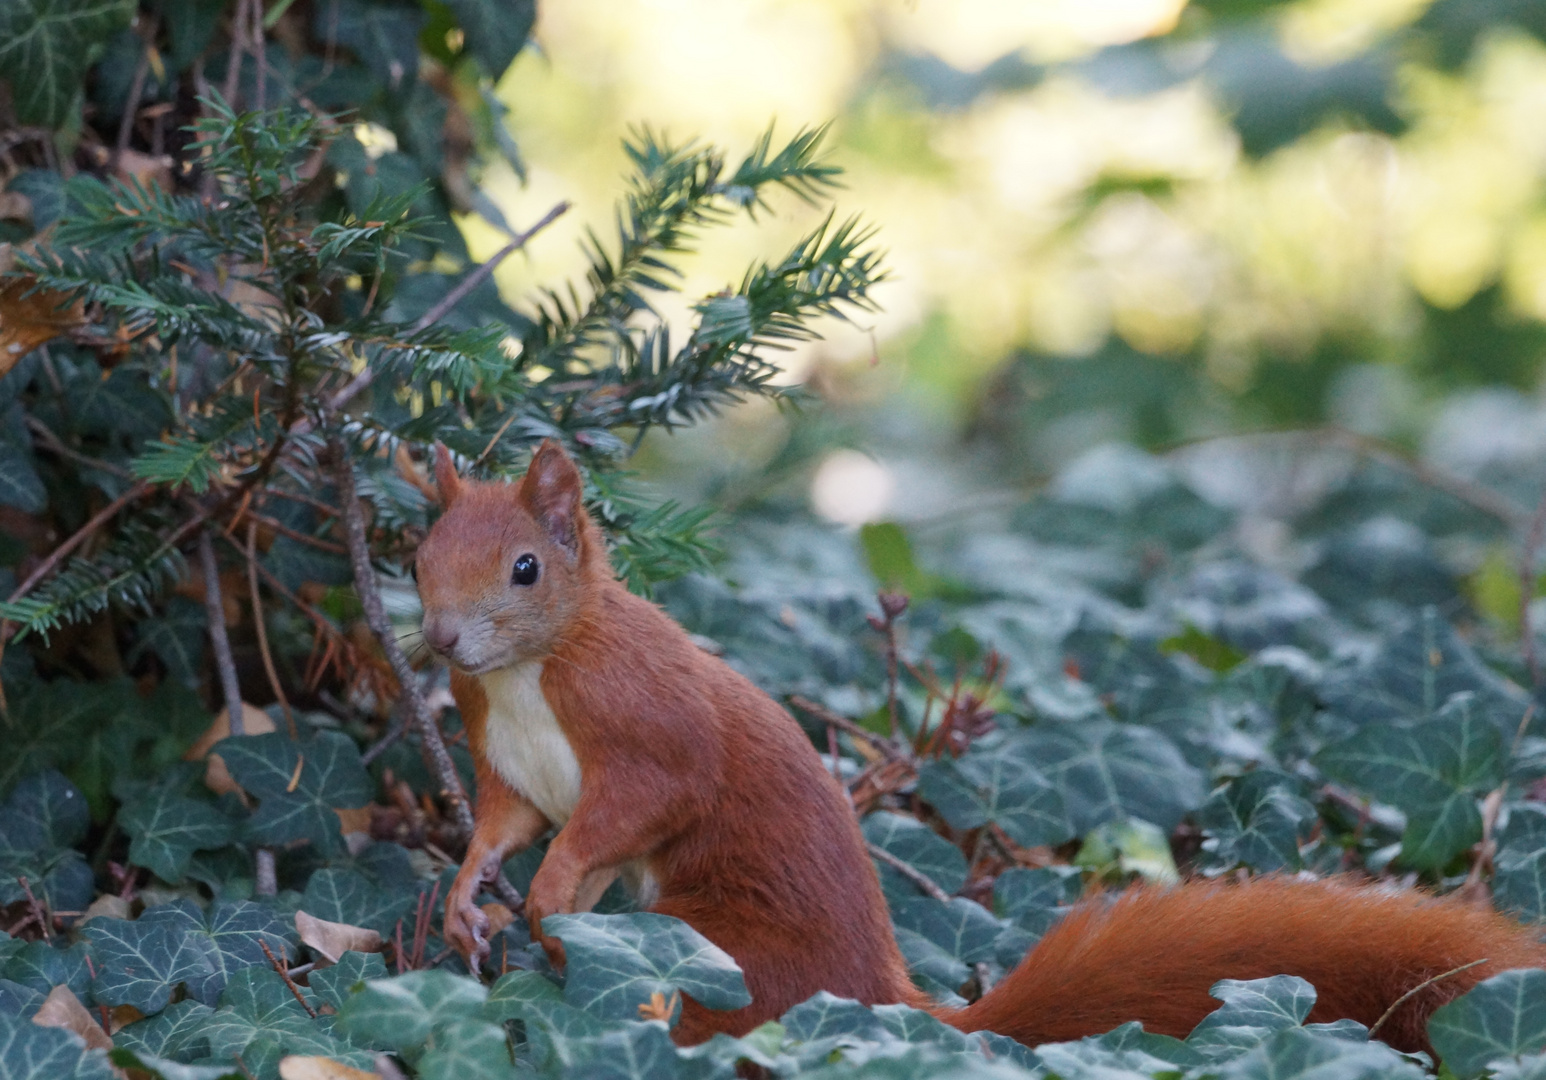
(132, 105)
(398, 729)
(1404, 998)
(412, 694)
(892, 605)
(265, 874)
(233, 55)
(832, 719)
(910, 872)
(220, 643)
(262, 631)
(37, 908)
(1532, 545)
(283, 971)
(80, 536)
(295, 534)
(486, 270)
(259, 52)
(353, 387)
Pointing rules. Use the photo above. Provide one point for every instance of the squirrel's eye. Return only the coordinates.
(525, 572)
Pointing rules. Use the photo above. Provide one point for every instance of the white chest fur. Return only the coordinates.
(525, 744)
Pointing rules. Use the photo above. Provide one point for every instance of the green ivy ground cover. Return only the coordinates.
(1147, 699)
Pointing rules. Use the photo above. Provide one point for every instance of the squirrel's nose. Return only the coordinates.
(440, 636)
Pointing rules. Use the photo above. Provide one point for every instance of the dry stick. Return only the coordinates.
(832, 719)
(234, 54)
(220, 643)
(257, 621)
(412, 694)
(81, 535)
(265, 874)
(132, 105)
(295, 534)
(353, 387)
(259, 52)
(1419, 988)
(283, 970)
(911, 873)
(1532, 545)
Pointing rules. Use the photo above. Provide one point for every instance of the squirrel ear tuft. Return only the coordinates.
(446, 479)
(552, 490)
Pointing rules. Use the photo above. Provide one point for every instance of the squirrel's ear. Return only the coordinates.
(551, 490)
(446, 480)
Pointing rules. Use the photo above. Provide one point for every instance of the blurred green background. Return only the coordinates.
(1132, 221)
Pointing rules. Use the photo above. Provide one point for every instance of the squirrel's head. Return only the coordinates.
(506, 570)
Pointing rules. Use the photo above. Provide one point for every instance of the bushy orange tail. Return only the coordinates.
(1152, 953)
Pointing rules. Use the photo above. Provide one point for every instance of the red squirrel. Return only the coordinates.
(589, 710)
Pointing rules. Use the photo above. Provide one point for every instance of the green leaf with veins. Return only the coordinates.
(167, 827)
(299, 784)
(46, 47)
(1106, 771)
(1431, 771)
(920, 847)
(1257, 820)
(617, 962)
(989, 785)
(29, 1051)
(1503, 1017)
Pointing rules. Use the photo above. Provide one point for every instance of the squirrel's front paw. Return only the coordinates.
(467, 928)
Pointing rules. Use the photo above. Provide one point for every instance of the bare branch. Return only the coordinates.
(412, 694)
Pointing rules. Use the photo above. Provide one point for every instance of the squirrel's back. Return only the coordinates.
(1151, 954)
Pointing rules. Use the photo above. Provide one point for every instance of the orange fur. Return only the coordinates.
(690, 771)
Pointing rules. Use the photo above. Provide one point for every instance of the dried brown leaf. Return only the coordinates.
(331, 940)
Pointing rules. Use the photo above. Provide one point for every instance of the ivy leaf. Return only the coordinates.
(635, 1052)
(139, 962)
(19, 483)
(1519, 884)
(1257, 820)
(617, 962)
(298, 783)
(920, 847)
(496, 30)
(344, 895)
(1415, 672)
(45, 48)
(44, 815)
(995, 786)
(934, 966)
(31, 1052)
(962, 928)
(402, 1013)
(384, 36)
(1282, 1001)
(825, 1015)
(467, 1049)
(1430, 770)
(159, 1068)
(1502, 1017)
(336, 984)
(166, 828)
(1298, 1053)
(41, 966)
(1106, 771)
(178, 1031)
(232, 939)
(1031, 897)
(260, 1021)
